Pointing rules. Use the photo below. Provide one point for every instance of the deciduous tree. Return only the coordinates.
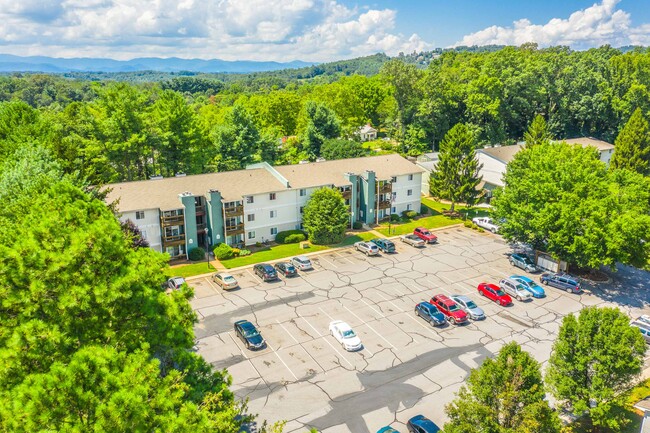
(595, 359)
(341, 149)
(326, 217)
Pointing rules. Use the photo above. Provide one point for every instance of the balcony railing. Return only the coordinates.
(173, 238)
(385, 188)
(172, 220)
(201, 226)
(233, 210)
(346, 194)
(234, 227)
(384, 204)
(200, 210)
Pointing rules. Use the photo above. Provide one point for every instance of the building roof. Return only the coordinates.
(233, 185)
(333, 172)
(643, 405)
(588, 141)
(504, 154)
(365, 129)
(163, 193)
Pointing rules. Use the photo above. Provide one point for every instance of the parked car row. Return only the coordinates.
(287, 269)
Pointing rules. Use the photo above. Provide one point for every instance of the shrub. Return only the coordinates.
(468, 224)
(394, 217)
(357, 225)
(386, 145)
(295, 238)
(480, 229)
(197, 254)
(243, 253)
(281, 236)
(223, 252)
(408, 214)
(236, 252)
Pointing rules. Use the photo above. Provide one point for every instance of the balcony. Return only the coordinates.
(234, 229)
(384, 204)
(173, 220)
(200, 210)
(201, 227)
(385, 188)
(233, 211)
(346, 194)
(171, 240)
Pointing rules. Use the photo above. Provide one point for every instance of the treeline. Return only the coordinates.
(112, 131)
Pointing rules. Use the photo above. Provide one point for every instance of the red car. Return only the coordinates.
(450, 309)
(494, 292)
(425, 235)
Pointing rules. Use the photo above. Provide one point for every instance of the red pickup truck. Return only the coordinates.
(425, 235)
(450, 309)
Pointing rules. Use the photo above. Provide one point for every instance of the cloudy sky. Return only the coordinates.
(310, 30)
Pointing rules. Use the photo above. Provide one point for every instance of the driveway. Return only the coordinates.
(406, 366)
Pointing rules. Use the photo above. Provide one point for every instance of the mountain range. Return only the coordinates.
(11, 63)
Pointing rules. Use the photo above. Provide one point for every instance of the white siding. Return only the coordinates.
(285, 207)
(402, 199)
(149, 226)
(606, 155)
(493, 169)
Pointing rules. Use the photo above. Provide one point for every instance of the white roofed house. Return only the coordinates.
(367, 133)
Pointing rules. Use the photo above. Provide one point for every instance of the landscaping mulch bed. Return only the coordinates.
(590, 275)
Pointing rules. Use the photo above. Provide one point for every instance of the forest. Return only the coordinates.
(109, 131)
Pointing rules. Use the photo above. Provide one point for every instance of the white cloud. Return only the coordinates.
(316, 30)
(601, 23)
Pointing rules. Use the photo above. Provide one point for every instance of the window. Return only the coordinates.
(393, 196)
(393, 179)
(272, 196)
(251, 235)
(393, 210)
(274, 231)
(347, 202)
(409, 207)
(303, 192)
(302, 208)
(139, 215)
(143, 234)
(274, 213)
(410, 177)
(249, 199)
(251, 217)
(409, 192)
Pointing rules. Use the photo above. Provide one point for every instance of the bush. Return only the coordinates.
(409, 214)
(357, 225)
(235, 252)
(197, 254)
(223, 252)
(282, 236)
(243, 253)
(295, 238)
(386, 145)
(468, 224)
(394, 217)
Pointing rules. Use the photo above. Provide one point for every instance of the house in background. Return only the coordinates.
(427, 161)
(248, 206)
(367, 133)
(644, 406)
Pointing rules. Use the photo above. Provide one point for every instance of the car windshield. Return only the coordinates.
(290, 268)
(500, 293)
(349, 333)
(303, 261)
(433, 309)
(521, 287)
(229, 279)
(471, 304)
(453, 307)
(250, 332)
(526, 260)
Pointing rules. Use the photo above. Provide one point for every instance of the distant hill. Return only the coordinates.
(11, 63)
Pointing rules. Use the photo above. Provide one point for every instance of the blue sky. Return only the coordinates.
(310, 30)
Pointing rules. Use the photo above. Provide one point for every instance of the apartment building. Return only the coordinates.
(244, 207)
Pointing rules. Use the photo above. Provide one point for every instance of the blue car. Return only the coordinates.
(430, 313)
(530, 285)
(421, 424)
(387, 429)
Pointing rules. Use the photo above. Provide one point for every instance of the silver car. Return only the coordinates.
(515, 289)
(469, 306)
(302, 263)
(368, 248)
(412, 240)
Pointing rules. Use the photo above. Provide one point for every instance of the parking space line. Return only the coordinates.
(236, 344)
(310, 325)
(389, 301)
(371, 307)
(254, 276)
(211, 284)
(281, 360)
(344, 258)
(330, 317)
(330, 262)
(368, 325)
(419, 323)
(287, 331)
(330, 344)
(440, 287)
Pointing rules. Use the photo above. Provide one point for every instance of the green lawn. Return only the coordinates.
(190, 270)
(435, 220)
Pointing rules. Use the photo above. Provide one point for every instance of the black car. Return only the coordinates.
(265, 272)
(385, 245)
(430, 313)
(286, 269)
(421, 424)
(248, 333)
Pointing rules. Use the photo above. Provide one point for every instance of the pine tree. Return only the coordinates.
(633, 145)
(456, 176)
(537, 132)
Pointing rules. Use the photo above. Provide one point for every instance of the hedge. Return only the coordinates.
(295, 238)
(197, 254)
(357, 225)
(281, 237)
(223, 252)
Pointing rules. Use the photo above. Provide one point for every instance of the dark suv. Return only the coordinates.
(265, 272)
(561, 281)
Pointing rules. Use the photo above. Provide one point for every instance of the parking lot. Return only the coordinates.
(406, 366)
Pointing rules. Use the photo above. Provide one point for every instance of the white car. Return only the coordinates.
(226, 281)
(515, 289)
(486, 223)
(368, 248)
(345, 335)
(302, 263)
(175, 283)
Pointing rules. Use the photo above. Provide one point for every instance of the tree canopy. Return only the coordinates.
(595, 358)
(326, 217)
(562, 199)
(633, 145)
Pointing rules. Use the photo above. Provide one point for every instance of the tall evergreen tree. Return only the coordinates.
(504, 395)
(321, 124)
(537, 132)
(633, 145)
(456, 176)
(236, 142)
